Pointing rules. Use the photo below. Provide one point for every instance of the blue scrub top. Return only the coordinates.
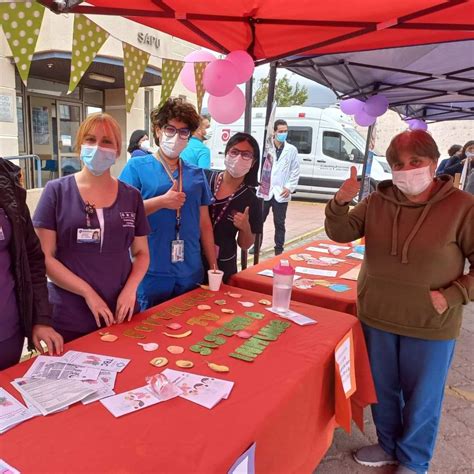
(197, 154)
(150, 178)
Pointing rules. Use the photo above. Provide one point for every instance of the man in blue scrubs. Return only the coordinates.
(176, 196)
(197, 153)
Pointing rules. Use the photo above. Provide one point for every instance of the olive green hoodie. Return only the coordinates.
(411, 249)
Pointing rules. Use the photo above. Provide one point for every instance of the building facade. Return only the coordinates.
(42, 119)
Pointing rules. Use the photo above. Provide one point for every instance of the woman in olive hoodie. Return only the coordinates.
(418, 230)
(24, 306)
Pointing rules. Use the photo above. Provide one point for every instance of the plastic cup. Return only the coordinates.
(215, 279)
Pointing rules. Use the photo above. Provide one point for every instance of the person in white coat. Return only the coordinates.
(279, 178)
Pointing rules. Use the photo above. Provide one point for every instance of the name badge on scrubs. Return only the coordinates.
(177, 251)
(88, 236)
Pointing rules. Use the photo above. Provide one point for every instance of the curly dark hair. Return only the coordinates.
(175, 109)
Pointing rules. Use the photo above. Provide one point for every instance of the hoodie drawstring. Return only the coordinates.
(415, 229)
(395, 232)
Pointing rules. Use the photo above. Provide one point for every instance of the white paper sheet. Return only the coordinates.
(269, 273)
(335, 246)
(297, 318)
(316, 271)
(357, 256)
(12, 412)
(200, 389)
(104, 386)
(5, 468)
(317, 249)
(50, 396)
(54, 368)
(97, 361)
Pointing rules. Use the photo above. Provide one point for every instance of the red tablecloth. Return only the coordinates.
(283, 401)
(318, 295)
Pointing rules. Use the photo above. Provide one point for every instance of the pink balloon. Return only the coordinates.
(244, 64)
(351, 106)
(187, 73)
(228, 108)
(220, 77)
(364, 119)
(376, 105)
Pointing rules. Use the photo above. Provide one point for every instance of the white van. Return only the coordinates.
(328, 145)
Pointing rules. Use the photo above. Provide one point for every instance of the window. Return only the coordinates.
(93, 97)
(51, 88)
(338, 146)
(301, 138)
(148, 109)
(20, 114)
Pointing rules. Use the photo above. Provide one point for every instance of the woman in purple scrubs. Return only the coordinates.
(93, 231)
(24, 307)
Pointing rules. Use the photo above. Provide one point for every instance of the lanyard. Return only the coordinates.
(90, 210)
(180, 186)
(217, 218)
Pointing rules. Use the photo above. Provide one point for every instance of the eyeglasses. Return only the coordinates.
(170, 132)
(246, 155)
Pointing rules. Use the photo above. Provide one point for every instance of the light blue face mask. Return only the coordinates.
(281, 137)
(98, 159)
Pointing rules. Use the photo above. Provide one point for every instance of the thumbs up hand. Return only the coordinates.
(173, 199)
(349, 189)
(241, 219)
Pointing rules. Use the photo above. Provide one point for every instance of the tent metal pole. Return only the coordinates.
(368, 156)
(270, 100)
(247, 129)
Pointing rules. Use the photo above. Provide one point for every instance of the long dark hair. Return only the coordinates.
(136, 136)
(251, 178)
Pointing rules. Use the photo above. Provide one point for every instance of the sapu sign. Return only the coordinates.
(145, 38)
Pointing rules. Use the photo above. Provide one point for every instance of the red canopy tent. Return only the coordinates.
(274, 29)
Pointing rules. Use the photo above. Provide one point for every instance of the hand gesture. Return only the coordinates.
(285, 193)
(349, 189)
(99, 308)
(52, 339)
(241, 219)
(125, 305)
(173, 199)
(439, 301)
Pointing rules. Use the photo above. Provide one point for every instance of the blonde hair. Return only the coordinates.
(99, 119)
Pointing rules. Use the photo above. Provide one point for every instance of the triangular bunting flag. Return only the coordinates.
(169, 75)
(21, 23)
(135, 62)
(88, 38)
(198, 74)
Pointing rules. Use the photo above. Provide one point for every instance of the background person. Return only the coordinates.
(24, 306)
(236, 212)
(411, 291)
(93, 231)
(456, 163)
(454, 150)
(139, 144)
(279, 178)
(176, 197)
(196, 152)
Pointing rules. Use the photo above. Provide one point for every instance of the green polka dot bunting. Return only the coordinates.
(135, 62)
(198, 74)
(169, 75)
(87, 39)
(21, 23)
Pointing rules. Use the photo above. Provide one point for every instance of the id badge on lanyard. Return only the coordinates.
(177, 245)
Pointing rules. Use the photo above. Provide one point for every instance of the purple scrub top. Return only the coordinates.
(105, 266)
(9, 316)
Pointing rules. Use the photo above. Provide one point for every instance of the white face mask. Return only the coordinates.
(413, 182)
(145, 145)
(237, 167)
(172, 147)
(469, 154)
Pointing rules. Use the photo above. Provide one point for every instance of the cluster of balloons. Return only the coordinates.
(226, 101)
(365, 113)
(417, 124)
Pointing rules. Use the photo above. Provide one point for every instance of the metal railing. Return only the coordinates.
(28, 164)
